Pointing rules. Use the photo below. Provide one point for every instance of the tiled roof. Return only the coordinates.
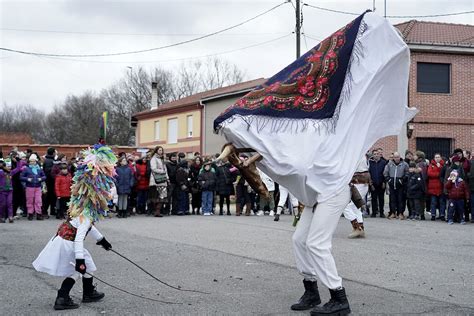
(436, 33)
(195, 98)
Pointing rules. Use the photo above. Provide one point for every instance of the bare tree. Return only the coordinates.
(22, 119)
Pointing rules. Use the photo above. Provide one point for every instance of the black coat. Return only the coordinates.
(225, 180)
(416, 187)
(207, 180)
(172, 167)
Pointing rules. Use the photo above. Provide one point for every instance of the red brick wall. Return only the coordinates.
(68, 150)
(441, 115)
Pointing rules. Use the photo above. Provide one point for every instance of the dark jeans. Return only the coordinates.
(221, 202)
(472, 206)
(397, 201)
(172, 205)
(416, 206)
(142, 197)
(183, 202)
(440, 203)
(63, 206)
(196, 200)
(456, 206)
(50, 198)
(378, 195)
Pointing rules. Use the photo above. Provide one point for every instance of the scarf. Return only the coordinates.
(34, 169)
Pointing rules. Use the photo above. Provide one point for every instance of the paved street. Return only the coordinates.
(247, 265)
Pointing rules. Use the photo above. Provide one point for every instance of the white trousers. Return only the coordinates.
(351, 212)
(283, 197)
(312, 240)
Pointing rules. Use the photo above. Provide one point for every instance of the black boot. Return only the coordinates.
(63, 300)
(310, 297)
(89, 293)
(337, 305)
(277, 217)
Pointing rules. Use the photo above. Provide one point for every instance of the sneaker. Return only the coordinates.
(272, 213)
(417, 217)
(260, 213)
(450, 222)
(401, 217)
(10, 220)
(277, 217)
(463, 222)
(392, 216)
(206, 214)
(2, 220)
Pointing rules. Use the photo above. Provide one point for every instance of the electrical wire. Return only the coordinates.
(149, 49)
(169, 60)
(391, 16)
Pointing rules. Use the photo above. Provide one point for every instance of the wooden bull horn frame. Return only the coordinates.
(248, 169)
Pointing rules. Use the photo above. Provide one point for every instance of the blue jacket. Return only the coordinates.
(124, 180)
(36, 179)
(376, 169)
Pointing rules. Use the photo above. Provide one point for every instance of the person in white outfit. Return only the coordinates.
(93, 182)
(284, 194)
(270, 201)
(360, 180)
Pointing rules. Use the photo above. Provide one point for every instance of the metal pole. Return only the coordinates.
(384, 8)
(298, 29)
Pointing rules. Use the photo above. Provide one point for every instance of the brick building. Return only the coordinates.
(441, 86)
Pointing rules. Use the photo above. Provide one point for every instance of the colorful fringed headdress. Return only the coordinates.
(93, 181)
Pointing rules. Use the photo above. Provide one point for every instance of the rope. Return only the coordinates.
(155, 278)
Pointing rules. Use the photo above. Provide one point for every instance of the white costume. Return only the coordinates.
(316, 165)
(56, 257)
(284, 194)
(351, 212)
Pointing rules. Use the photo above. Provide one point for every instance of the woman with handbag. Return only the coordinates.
(158, 180)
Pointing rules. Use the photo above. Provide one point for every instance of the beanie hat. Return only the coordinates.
(455, 158)
(33, 157)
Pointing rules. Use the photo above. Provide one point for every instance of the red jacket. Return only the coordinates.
(140, 174)
(435, 186)
(62, 185)
(460, 192)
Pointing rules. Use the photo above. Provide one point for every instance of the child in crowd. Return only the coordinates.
(207, 181)
(457, 192)
(124, 183)
(6, 190)
(33, 178)
(415, 191)
(62, 188)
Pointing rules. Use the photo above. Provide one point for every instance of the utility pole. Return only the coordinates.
(298, 28)
(385, 8)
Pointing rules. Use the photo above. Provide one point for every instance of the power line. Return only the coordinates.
(144, 50)
(391, 16)
(170, 60)
(124, 34)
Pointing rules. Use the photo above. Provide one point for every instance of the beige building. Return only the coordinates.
(186, 125)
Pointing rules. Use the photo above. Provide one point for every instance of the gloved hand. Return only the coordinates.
(81, 266)
(104, 243)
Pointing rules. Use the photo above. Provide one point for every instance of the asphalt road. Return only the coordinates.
(247, 265)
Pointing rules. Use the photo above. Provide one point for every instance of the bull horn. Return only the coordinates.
(226, 151)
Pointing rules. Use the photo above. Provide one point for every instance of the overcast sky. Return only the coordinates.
(96, 27)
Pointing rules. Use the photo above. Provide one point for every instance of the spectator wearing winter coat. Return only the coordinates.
(172, 167)
(158, 192)
(124, 183)
(225, 186)
(470, 176)
(57, 165)
(62, 186)
(19, 199)
(33, 178)
(416, 191)
(270, 202)
(50, 198)
(196, 193)
(396, 173)
(6, 190)
(435, 187)
(377, 186)
(182, 186)
(207, 181)
(142, 185)
(464, 162)
(457, 192)
(422, 163)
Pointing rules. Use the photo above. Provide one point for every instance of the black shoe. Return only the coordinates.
(90, 294)
(373, 215)
(382, 215)
(221, 212)
(433, 218)
(441, 218)
(422, 217)
(30, 217)
(310, 297)
(228, 213)
(63, 303)
(337, 305)
(39, 217)
(277, 217)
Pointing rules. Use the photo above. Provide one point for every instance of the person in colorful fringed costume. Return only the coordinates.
(309, 125)
(90, 194)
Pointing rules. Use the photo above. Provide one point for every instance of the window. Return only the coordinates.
(173, 131)
(190, 126)
(433, 78)
(157, 130)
